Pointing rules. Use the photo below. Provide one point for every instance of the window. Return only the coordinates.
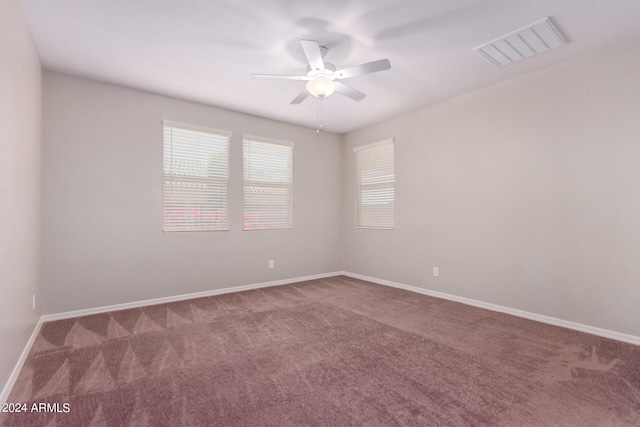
(195, 178)
(267, 190)
(375, 185)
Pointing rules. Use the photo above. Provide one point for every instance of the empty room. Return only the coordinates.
(329, 213)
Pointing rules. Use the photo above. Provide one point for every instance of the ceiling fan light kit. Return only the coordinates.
(321, 87)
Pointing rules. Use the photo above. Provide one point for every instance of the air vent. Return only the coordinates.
(523, 43)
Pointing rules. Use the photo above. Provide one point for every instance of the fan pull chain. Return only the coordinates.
(319, 118)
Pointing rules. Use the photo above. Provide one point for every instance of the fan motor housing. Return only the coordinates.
(329, 69)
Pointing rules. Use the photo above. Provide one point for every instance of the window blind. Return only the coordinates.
(375, 185)
(195, 178)
(268, 183)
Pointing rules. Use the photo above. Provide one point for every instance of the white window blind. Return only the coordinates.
(375, 185)
(195, 178)
(268, 183)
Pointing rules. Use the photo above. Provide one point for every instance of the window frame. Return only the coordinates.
(222, 183)
(247, 138)
(358, 184)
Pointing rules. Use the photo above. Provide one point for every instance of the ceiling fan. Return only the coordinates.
(321, 76)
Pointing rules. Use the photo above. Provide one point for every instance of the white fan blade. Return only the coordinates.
(303, 95)
(352, 93)
(278, 77)
(313, 54)
(357, 70)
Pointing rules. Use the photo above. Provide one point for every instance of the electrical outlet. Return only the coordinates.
(272, 264)
(436, 272)
(34, 302)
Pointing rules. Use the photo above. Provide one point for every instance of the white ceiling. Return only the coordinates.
(204, 50)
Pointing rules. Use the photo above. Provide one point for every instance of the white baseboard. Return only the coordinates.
(164, 300)
(618, 336)
(23, 358)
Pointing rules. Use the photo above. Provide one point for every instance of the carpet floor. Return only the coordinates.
(329, 352)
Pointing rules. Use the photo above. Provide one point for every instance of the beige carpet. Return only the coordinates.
(334, 352)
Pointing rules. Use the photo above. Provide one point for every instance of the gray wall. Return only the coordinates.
(102, 166)
(525, 194)
(20, 184)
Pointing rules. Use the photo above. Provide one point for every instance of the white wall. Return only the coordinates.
(20, 185)
(102, 165)
(526, 194)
